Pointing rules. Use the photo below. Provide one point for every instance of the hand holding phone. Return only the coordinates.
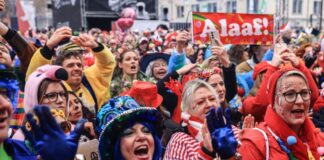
(182, 40)
(214, 38)
(283, 55)
(280, 48)
(218, 49)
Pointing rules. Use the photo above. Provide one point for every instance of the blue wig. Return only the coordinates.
(9, 82)
(157, 142)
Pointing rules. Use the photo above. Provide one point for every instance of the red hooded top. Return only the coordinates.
(318, 104)
(253, 146)
(262, 66)
(257, 105)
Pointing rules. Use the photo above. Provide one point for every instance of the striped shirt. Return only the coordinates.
(184, 147)
(19, 113)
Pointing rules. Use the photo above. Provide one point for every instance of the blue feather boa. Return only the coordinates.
(12, 87)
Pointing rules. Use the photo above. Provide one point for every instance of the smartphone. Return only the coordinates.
(63, 24)
(64, 41)
(212, 36)
(279, 47)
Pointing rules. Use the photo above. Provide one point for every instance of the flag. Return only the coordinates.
(285, 27)
(23, 23)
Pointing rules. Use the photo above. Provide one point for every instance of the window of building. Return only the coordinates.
(252, 6)
(180, 11)
(165, 14)
(195, 7)
(212, 7)
(231, 6)
(317, 7)
(297, 6)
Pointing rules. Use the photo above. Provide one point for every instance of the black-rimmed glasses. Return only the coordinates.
(53, 96)
(291, 96)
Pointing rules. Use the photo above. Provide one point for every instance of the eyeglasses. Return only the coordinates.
(291, 96)
(53, 96)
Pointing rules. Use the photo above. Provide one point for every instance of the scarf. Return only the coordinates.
(193, 124)
(306, 146)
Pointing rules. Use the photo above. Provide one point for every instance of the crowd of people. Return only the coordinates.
(157, 95)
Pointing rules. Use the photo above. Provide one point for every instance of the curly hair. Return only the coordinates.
(301, 51)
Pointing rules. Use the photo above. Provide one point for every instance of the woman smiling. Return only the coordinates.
(128, 131)
(287, 132)
(201, 138)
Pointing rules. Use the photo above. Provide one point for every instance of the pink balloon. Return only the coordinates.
(125, 23)
(128, 13)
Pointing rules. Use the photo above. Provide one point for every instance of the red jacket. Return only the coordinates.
(257, 105)
(318, 104)
(253, 145)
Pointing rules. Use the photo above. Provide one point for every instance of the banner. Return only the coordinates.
(233, 28)
(101, 5)
(144, 8)
(67, 13)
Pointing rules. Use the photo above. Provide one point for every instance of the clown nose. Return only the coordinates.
(291, 140)
(320, 151)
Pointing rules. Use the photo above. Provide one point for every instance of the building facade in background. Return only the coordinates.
(300, 13)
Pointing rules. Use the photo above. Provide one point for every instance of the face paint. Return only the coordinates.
(293, 112)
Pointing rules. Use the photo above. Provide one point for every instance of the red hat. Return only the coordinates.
(259, 68)
(272, 84)
(145, 94)
(170, 37)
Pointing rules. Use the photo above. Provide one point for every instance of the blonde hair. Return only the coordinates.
(189, 90)
(285, 75)
(290, 73)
